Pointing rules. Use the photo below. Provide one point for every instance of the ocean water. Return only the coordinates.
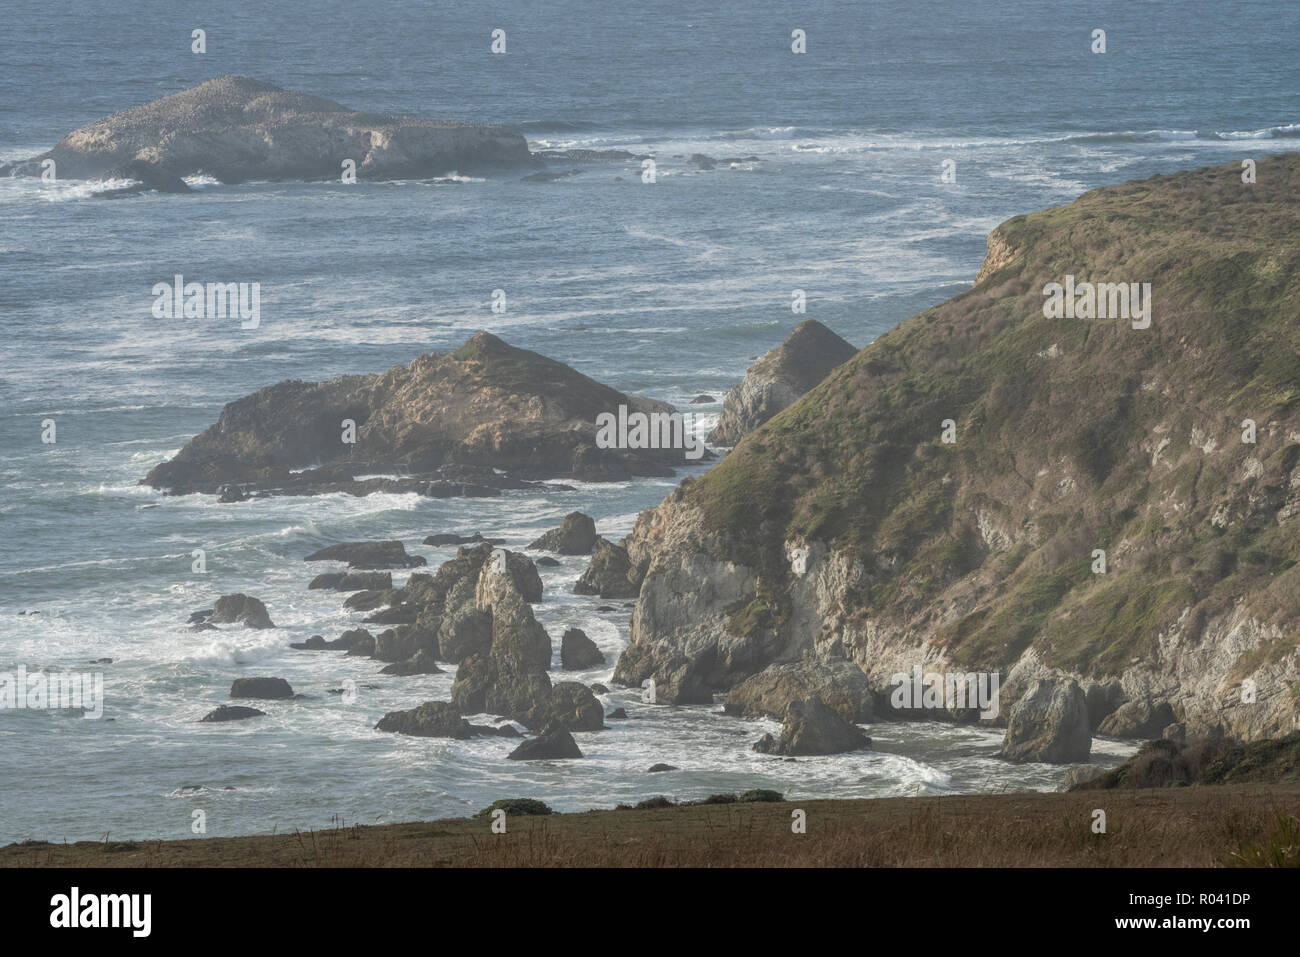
(670, 290)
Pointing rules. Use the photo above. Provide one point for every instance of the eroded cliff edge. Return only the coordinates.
(1071, 435)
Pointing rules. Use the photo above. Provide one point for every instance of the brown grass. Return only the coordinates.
(1179, 827)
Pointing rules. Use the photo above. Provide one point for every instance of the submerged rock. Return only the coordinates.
(232, 712)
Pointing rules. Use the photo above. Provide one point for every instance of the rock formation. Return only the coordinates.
(485, 406)
(987, 489)
(810, 727)
(779, 378)
(575, 536)
(235, 128)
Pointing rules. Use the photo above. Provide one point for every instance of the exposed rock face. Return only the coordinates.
(1049, 723)
(840, 685)
(610, 574)
(846, 527)
(236, 128)
(234, 609)
(422, 662)
(387, 554)
(485, 406)
(778, 379)
(1139, 719)
(575, 536)
(433, 719)
(571, 706)
(232, 712)
(551, 745)
(578, 652)
(810, 727)
(274, 688)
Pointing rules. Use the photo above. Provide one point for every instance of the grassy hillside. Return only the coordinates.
(1071, 435)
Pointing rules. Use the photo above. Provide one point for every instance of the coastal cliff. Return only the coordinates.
(943, 498)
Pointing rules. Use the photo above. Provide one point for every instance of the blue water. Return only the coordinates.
(669, 289)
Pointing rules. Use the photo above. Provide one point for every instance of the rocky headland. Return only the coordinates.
(1104, 515)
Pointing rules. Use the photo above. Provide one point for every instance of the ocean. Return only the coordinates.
(668, 289)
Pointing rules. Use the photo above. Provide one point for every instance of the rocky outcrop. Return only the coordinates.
(433, 719)
(422, 662)
(570, 706)
(945, 499)
(272, 688)
(578, 652)
(387, 554)
(240, 609)
(232, 712)
(575, 536)
(810, 727)
(451, 538)
(840, 685)
(485, 406)
(1144, 718)
(1049, 723)
(354, 581)
(552, 745)
(610, 574)
(778, 379)
(235, 128)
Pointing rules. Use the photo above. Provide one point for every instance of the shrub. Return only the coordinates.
(516, 806)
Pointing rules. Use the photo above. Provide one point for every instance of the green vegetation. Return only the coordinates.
(516, 806)
(1071, 434)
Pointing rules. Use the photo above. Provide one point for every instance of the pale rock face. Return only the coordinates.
(779, 378)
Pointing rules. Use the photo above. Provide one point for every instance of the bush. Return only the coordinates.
(1279, 849)
(761, 794)
(654, 802)
(516, 806)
